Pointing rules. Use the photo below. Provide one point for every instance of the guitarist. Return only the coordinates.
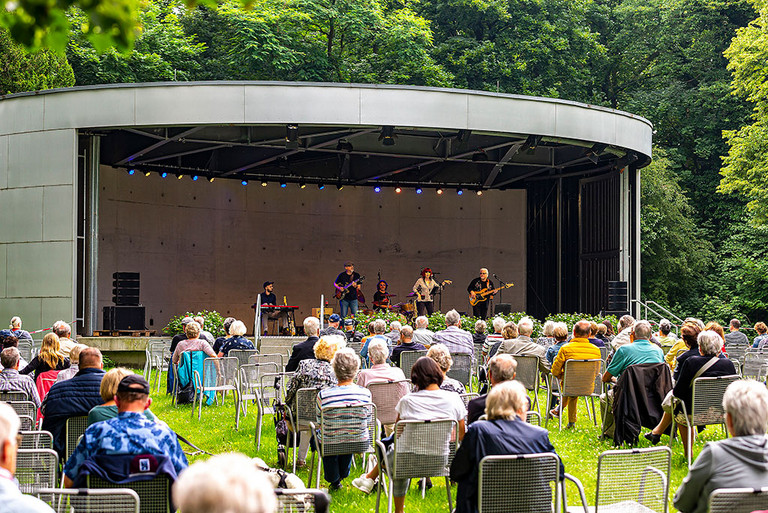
(480, 310)
(348, 299)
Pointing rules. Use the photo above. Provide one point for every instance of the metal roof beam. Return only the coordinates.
(158, 144)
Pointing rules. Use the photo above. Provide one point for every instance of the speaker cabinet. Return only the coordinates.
(123, 318)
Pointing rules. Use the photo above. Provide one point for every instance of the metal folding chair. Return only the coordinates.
(26, 408)
(468, 397)
(26, 349)
(755, 366)
(13, 395)
(527, 373)
(305, 417)
(248, 386)
(386, 396)
(738, 500)
(27, 423)
(529, 481)
(580, 379)
(36, 440)
(154, 494)
(66, 500)
(219, 375)
(421, 449)
(275, 358)
(36, 468)
(73, 430)
(302, 501)
(407, 359)
(633, 480)
(243, 355)
(158, 358)
(462, 369)
(706, 406)
(271, 388)
(533, 417)
(344, 430)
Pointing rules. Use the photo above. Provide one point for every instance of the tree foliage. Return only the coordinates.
(22, 70)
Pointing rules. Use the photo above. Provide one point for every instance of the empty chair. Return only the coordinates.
(27, 423)
(158, 357)
(66, 500)
(633, 480)
(529, 481)
(302, 501)
(527, 373)
(755, 366)
(248, 385)
(243, 356)
(36, 468)
(27, 408)
(275, 358)
(36, 440)
(26, 350)
(408, 358)
(73, 430)
(462, 369)
(219, 375)
(738, 500)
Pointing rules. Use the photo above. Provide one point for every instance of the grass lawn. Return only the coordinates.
(578, 448)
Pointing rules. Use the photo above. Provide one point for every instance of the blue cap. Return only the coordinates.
(5, 333)
(334, 318)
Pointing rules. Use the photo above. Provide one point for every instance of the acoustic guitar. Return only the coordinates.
(484, 294)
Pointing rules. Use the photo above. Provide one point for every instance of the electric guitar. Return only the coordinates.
(340, 292)
(443, 284)
(483, 295)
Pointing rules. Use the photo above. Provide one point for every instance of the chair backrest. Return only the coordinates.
(27, 423)
(527, 371)
(310, 500)
(579, 377)
(707, 399)
(755, 366)
(65, 500)
(461, 369)
(154, 494)
(386, 396)
(347, 429)
(251, 373)
(424, 448)
(529, 481)
(13, 395)
(738, 500)
(275, 358)
(272, 385)
(407, 359)
(74, 429)
(25, 349)
(36, 440)
(220, 373)
(638, 476)
(242, 355)
(27, 408)
(306, 407)
(533, 417)
(36, 468)
(468, 397)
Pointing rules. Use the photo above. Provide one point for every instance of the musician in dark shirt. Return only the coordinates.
(381, 297)
(348, 300)
(268, 298)
(480, 310)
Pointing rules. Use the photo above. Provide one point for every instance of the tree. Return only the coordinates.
(21, 70)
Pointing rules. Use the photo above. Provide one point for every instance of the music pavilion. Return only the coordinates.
(210, 189)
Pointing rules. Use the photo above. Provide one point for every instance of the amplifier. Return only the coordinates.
(119, 318)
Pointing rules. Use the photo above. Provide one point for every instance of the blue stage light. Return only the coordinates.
(244, 182)
(194, 178)
(131, 171)
(418, 190)
(460, 192)
(163, 174)
(377, 189)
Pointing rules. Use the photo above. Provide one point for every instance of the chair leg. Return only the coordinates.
(295, 450)
(689, 449)
(200, 407)
(258, 428)
(448, 490)
(378, 489)
(594, 412)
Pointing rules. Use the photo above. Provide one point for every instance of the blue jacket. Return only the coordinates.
(70, 398)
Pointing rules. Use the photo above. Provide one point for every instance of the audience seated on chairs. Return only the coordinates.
(304, 350)
(108, 389)
(220, 341)
(524, 345)
(192, 343)
(175, 342)
(130, 433)
(762, 335)
(495, 337)
(479, 336)
(379, 327)
(379, 372)
(49, 358)
(560, 334)
(17, 331)
(333, 326)
(547, 338)
(350, 333)
(501, 368)
(504, 432)
(602, 334)
(579, 348)
(64, 332)
(407, 343)
(737, 462)
(689, 333)
(453, 337)
(422, 334)
(639, 350)
(394, 332)
(439, 353)
(345, 365)
(11, 380)
(315, 373)
(237, 341)
(735, 337)
(709, 346)
(593, 338)
(226, 482)
(73, 397)
(665, 335)
(508, 332)
(11, 498)
(427, 403)
(205, 335)
(7, 339)
(74, 364)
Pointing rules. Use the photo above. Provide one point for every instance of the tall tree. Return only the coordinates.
(22, 70)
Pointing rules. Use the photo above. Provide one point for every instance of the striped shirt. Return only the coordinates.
(345, 395)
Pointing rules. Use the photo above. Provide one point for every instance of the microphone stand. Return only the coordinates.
(501, 282)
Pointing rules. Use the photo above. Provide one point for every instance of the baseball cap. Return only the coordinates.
(348, 263)
(133, 383)
(349, 322)
(334, 318)
(267, 283)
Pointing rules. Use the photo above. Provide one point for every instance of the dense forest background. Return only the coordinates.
(696, 68)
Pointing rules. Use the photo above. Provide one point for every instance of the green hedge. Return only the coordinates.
(214, 323)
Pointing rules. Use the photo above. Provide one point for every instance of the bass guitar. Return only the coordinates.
(340, 292)
(483, 295)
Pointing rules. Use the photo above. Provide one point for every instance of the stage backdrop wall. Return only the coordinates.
(201, 245)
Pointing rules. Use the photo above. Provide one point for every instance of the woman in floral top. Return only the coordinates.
(442, 357)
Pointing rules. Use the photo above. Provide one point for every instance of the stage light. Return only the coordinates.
(194, 178)
(291, 137)
(263, 183)
(387, 136)
(211, 179)
(147, 173)
(439, 192)
(398, 190)
(377, 189)
(321, 186)
(479, 193)
(131, 171)
(179, 177)
(163, 174)
(283, 185)
(418, 190)
(302, 185)
(339, 186)
(459, 191)
(244, 182)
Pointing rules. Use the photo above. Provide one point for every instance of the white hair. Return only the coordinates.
(311, 326)
(498, 324)
(395, 326)
(237, 329)
(746, 403)
(378, 352)
(228, 483)
(15, 322)
(710, 343)
(548, 329)
(9, 424)
(379, 326)
(345, 364)
(61, 328)
(452, 318)
(480, 326)
(421, 322)
(200, 320)
(643, 330)
(525, 326)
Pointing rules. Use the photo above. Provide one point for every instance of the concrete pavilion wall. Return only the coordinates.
(211, 245)
(37, 217)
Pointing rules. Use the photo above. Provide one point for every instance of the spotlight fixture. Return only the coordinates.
(283, 185)
(244, 182)
(131, 172)
(531, 142)
(459, 191)
(344, 145)
(211, 179)
(439, 191)
(479, 193)
(194, 178)
(291, 137)
(398, 190)
(147, 173)
(302, 185)
(418, 190)
(163, 174)
(263, 183)
(593, 154)
(377, 189)
(179, 176)
(339, 186)
(321, 186)
(387, 136)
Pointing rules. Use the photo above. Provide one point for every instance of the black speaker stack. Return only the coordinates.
(618, 298)
(126, 314)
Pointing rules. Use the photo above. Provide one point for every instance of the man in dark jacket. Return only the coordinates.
(73, 397)
(304, 350)
(501, 368)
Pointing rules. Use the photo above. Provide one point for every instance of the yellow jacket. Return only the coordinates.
(576, 349)
(671, 356)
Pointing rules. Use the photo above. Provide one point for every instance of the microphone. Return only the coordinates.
(495, 276)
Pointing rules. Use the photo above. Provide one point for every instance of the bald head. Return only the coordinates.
(582, 329)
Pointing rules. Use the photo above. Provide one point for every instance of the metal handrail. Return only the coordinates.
(666, 313)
